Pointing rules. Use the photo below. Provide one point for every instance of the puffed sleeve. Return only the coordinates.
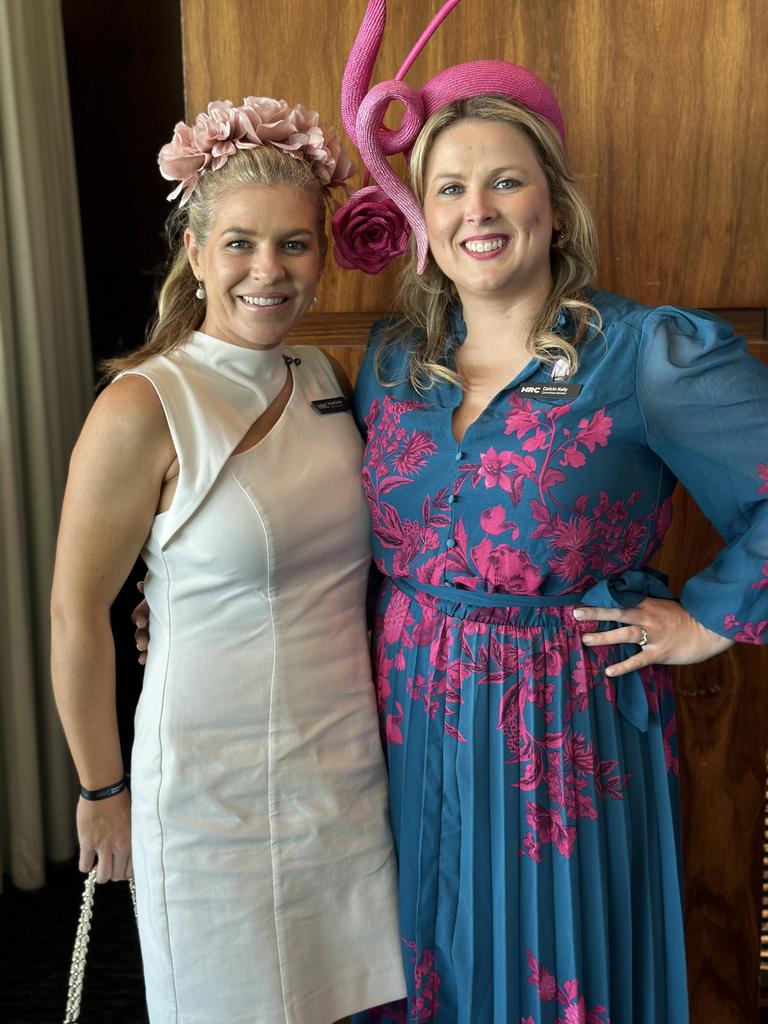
(705, 404)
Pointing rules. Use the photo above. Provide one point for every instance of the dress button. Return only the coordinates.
(450, 543)
(451, 498)
(459, 455)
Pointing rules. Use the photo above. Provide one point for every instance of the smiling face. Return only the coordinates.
(488, 212)
(260, 263)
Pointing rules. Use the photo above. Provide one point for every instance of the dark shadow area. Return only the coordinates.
(38, 931)
(124, 67)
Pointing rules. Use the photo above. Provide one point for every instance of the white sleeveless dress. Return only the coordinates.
(262, 851)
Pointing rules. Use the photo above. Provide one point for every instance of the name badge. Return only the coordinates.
(550, 390)
(325, 406)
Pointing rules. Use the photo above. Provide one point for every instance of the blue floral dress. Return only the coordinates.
(534, 800)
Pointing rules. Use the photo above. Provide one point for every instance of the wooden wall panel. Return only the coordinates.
(665, 102)
(318, 328)
(722, 716)
(723, 726)
(666, 105)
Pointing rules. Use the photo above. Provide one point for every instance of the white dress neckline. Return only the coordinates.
(263, 371)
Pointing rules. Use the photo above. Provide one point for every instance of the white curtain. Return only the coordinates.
(45, 392)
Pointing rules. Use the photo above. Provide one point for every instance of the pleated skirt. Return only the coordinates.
(537, 827)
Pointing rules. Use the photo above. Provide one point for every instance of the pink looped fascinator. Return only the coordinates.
(363, 110)
(261, 121)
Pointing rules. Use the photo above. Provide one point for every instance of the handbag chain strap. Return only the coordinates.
(80, 950)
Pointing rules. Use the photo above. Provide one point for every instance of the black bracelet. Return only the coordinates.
(105, 791)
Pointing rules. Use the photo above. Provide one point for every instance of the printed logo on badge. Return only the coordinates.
(550, 390)
(325, 406)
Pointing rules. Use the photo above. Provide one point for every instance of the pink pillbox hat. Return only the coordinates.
(363, 108)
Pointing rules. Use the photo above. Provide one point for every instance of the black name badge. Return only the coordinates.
(550, 390)
(325, 406)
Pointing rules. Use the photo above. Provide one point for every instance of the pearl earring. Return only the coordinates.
(315, 301)
(200, 293)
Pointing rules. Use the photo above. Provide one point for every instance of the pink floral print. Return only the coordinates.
(514, 761)
(424, 1006)
(560, 769)
(573, 1008)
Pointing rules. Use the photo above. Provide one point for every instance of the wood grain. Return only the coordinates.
(665, 104)
(722, 717)
(352, 329)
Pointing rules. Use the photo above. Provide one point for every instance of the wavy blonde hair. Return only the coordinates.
(178, 311)
(425, 301)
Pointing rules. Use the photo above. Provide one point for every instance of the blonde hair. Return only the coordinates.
(425, 301)
(178, 311)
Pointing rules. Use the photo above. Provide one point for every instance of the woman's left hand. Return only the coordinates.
(672, 636)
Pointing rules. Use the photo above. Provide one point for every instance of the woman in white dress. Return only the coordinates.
(256, 821)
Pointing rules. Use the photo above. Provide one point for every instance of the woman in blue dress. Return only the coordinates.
(524, 434)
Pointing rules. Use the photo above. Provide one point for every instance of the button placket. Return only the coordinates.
(452, 502)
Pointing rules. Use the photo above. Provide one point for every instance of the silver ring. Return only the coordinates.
(643, 638)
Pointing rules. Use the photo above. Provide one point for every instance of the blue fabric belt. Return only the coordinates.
(482, 599)
(625, 590)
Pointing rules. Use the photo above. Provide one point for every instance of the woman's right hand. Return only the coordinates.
(140, 619)
(104, 832)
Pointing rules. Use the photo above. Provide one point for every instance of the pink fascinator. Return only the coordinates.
(261, 121)
(363, 110)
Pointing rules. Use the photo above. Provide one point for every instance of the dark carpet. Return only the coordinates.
(37, 931)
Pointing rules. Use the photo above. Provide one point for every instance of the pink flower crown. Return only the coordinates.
(260, 121)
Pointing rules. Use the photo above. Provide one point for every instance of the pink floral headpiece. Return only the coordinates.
(363, 110)
(260, 121)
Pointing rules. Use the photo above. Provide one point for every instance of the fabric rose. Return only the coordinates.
(321, 147)
(181, 160)
(369, 231)
(261, 121)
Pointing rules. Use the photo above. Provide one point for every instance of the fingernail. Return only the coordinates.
(141, 623)
(610, 672)
(587, 638)
(578, 613)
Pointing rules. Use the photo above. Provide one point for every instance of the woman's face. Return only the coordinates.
(260, 263)
(488, 212)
